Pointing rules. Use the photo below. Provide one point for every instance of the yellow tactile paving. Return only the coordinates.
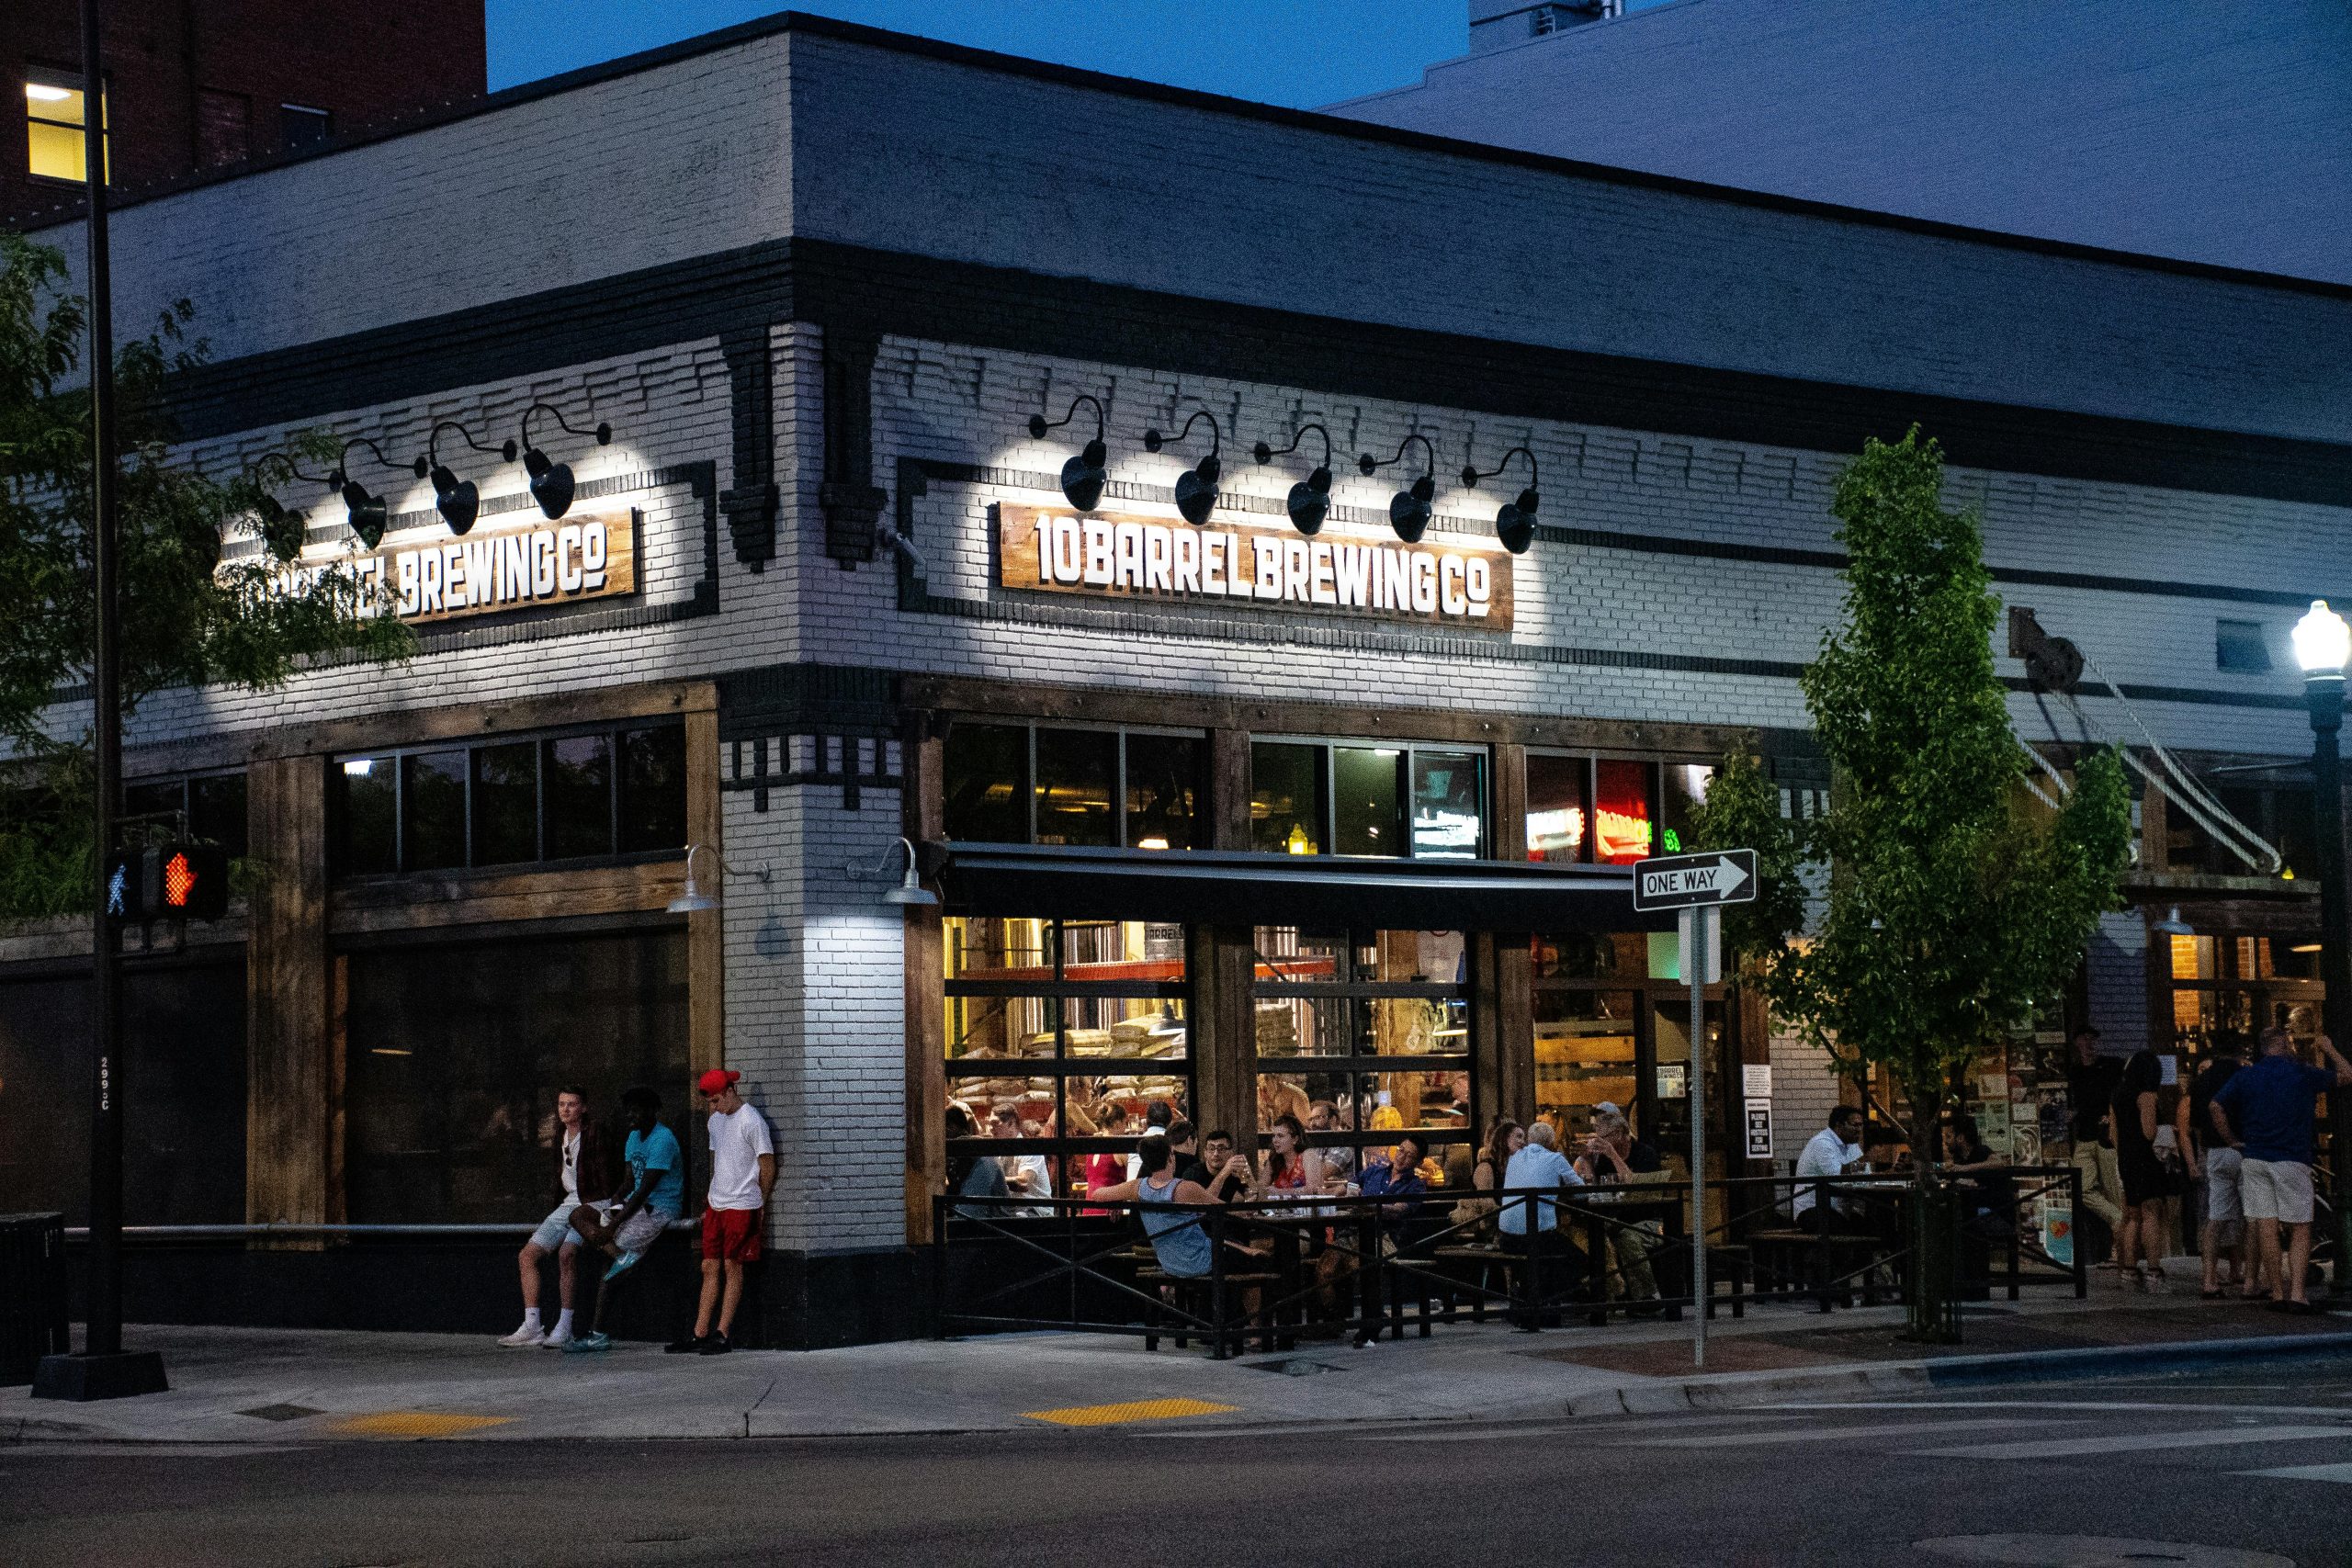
(416, 1423)
(1134, 1410)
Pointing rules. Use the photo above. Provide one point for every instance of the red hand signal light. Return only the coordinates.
(179, 880)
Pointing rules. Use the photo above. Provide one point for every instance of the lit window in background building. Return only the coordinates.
(54, 116)
(1621, 815)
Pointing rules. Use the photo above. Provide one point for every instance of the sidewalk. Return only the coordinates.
(262, 1386)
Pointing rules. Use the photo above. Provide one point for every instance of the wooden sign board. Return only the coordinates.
(1459, 585)
(493, 570)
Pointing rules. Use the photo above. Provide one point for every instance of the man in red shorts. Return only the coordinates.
(742, 1174)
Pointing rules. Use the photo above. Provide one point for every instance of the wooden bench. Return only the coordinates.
(1816, 1258)
(1188, 1294)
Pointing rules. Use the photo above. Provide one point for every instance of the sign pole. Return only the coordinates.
(1694, 970)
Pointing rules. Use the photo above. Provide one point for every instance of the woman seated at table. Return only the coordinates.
(1290, 1169)
(1504, 1139)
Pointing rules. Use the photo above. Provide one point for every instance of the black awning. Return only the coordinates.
(1322, 892)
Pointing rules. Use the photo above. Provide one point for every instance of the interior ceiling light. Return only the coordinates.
(364, 510)
(457, 501)
(1085, 475)
(552, 483)
(1408, 508)
(44, 93)
(1196, 486)
(1515, 523)
(1310, 498)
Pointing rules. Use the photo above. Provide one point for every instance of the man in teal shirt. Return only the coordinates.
(657, 1171)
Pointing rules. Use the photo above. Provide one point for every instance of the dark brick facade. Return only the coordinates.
(200, 84)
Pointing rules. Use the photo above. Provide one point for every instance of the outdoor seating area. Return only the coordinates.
(1281, 1271)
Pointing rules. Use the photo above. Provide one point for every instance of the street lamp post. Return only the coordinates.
(2323, 646)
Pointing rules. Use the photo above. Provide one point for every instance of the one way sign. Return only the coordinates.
(1679, 882)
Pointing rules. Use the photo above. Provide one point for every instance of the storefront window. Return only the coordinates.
(2229, 984)
(1366, 794)
(1612, 1022)
(1096, 787)
(211, 805)
(2279, 814)
(1077, 775)
(1621, 811)
(1365, 1034)
(1060, 1036)
(507, 802)
(1686, 790)
(1287, 799)
(454, 1053)
(1163, 791)
(1559, 806)
(1307, 798)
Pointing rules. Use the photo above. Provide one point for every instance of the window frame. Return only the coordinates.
(1026, 787)
(185, 783)
(469, 746)
(1062, 1065)
(73, 80)
(1330, 746)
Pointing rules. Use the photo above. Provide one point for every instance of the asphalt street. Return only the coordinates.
(2249, 1468)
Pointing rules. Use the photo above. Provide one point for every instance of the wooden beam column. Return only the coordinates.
(922, 806)
(290, 1045)
(706, 932)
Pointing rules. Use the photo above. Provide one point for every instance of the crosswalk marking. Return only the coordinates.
(2136, 1442)
(1835, 1433)
(2341, 1473)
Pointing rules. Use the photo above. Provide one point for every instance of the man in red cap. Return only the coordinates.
(742, 1174)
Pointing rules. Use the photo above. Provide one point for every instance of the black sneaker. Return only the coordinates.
(686, 1345)
(716, 1345)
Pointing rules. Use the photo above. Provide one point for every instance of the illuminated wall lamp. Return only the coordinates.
(1310, 498)
(365, 512)
(694, 900)
(1196, 486)
(457, 501)
(1515, 523)
(1408, 508)
(552, 483)
(1085, 475)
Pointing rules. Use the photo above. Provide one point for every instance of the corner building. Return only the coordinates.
(1354, 835)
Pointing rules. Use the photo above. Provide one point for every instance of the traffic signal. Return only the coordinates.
(178, 881)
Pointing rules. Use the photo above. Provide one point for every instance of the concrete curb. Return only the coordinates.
(1733, 1391)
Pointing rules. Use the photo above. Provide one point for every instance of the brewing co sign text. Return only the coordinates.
(588, 555)
(1460, 584)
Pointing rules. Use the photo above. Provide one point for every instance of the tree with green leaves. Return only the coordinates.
(1957, 902)
(188, 618)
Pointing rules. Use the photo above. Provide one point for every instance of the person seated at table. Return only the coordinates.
(1537, 1166)
(1504, 1139)
(1291, 1168)
(1614, 1156)
(1988, 1194)
(972, 1176)
(1836, 1150)
(1174, 1211)
(1397, 1175)
(1335, 1164)
(1230, 1179)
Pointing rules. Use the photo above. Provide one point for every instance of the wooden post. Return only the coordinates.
(923, 812)
(1228, 792)
(1224, 1031)
(290, 1044)
(706, 930)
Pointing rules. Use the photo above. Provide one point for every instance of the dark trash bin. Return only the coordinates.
(32, 1294)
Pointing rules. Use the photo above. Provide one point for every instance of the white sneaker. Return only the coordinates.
(525, 1338)
(557, 1338)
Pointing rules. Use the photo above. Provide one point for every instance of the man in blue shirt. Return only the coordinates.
(657, 1173)
(1539, 1166)
(2268, 1112)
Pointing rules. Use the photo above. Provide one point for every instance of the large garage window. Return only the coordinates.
(1362, 1035)
(453, 1054)
(1060, 1035)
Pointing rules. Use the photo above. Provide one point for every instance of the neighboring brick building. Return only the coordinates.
(198, 86)
(819, 279)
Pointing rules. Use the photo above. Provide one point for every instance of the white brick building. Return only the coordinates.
(819, 280)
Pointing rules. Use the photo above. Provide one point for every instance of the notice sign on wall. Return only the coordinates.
(493, 568)
(1455, 584)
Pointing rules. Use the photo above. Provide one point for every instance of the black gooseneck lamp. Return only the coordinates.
(552, 483)
(362, 508)
(1310, 498)
(1515, 523)
(1085, 475)
(282, 529)
(457, 501)
(1196, 486)
(1408, 508)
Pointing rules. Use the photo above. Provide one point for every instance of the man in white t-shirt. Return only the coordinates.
(1836, 1150)
(742, 1174)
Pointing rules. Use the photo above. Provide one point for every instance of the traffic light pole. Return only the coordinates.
(103, 1370)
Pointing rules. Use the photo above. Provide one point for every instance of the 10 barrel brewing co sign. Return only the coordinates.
(1457, 583)
(492, 569)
